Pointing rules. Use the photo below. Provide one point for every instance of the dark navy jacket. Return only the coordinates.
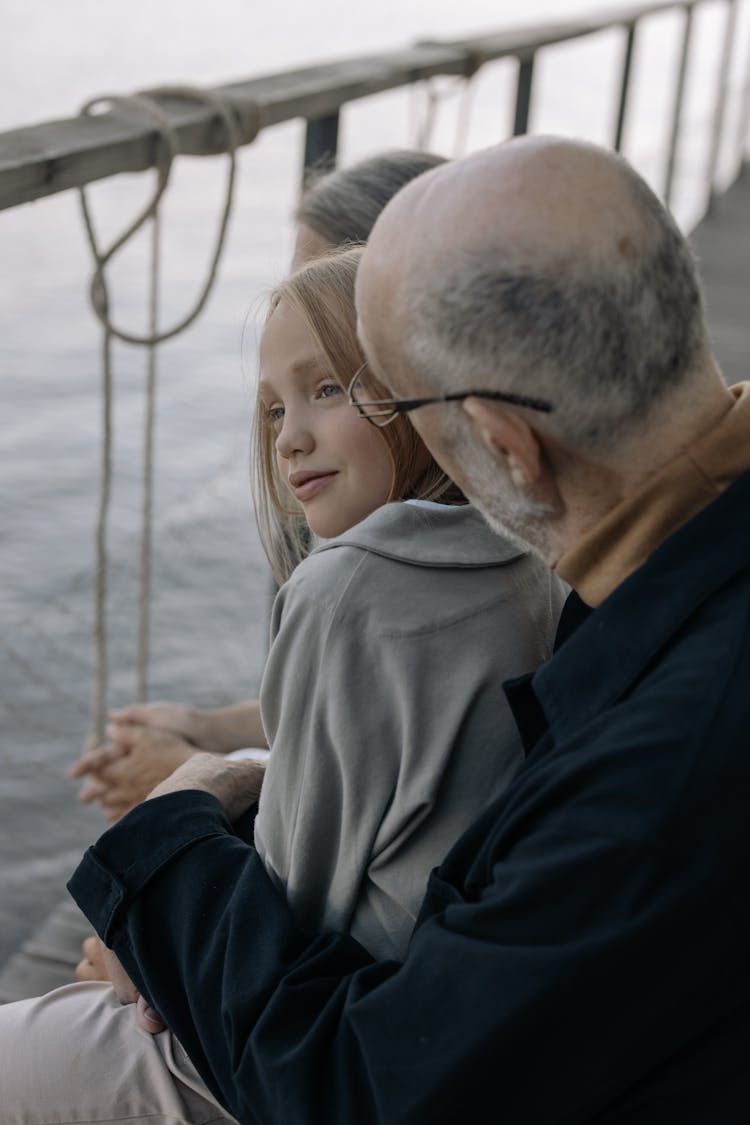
(583, 953)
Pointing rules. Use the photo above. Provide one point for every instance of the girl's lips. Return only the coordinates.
(310, 486)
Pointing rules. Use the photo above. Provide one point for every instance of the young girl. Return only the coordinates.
(381, 698)
(148, 741)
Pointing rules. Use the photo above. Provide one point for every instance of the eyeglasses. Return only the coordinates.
(383, 411)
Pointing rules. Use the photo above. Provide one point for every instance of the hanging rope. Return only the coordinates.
(98, 288)
(166, 151)
(147, 500)
(437, 95)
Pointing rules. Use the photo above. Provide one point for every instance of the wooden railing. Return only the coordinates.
(43, 159)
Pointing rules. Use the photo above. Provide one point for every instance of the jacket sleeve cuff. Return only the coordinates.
(115, 870)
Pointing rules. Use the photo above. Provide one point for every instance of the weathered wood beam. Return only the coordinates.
(56, 155)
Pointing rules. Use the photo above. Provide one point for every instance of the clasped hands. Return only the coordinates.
(236, 785)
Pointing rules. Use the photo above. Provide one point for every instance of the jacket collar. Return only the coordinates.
(430, 535)
(606, 654)
(631, 531)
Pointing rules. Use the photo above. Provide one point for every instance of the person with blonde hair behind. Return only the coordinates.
(382, 750)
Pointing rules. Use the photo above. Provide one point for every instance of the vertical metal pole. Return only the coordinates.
(624, 86)
(523, 96)
(677, 109)
(321, 144)
(721, 102)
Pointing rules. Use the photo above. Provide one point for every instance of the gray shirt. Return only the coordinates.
(382, 701)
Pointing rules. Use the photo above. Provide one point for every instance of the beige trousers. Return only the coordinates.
(77, 1056)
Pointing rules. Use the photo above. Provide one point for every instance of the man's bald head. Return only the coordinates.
(544, 267)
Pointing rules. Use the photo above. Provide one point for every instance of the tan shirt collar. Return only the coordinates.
(631, 531)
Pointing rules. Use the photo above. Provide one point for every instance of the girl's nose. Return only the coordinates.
(294, 436)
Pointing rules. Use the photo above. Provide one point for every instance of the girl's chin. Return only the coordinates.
(327, 530)
(330, 528)
(327, 520)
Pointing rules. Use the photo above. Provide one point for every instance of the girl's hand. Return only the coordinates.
(122, 773)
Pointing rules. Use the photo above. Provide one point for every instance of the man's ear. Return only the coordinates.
(508, 437)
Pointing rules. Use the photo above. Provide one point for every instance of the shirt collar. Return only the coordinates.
(440, 535)
(627, 536)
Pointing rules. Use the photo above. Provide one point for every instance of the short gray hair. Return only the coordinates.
(342, 206)
(602, 343)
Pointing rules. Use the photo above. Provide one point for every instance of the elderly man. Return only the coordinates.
(581, 952)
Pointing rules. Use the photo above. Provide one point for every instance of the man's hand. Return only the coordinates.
(235, 784)
(92, 966)
(122, 985)
(101, 964)
(127, 993)
(147, 1018)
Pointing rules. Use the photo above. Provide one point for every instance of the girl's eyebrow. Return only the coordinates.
(300, 367)
(303, 365)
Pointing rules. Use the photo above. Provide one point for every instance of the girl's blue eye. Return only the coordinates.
(275, 414)
(329, 390)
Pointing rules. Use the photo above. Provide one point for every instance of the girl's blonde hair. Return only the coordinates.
(322, 292)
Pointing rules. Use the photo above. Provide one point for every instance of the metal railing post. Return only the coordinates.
(624, 86)
(321, 144)
(721, 103)
(523, 95)
(678, 103)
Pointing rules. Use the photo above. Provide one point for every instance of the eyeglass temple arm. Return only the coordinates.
(512, 399)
